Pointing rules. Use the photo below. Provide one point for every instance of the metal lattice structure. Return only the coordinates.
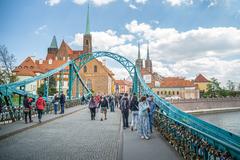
(215, 136)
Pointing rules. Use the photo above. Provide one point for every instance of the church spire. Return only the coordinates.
(54, 43)
(148, 58)
(87, 22)
(139, 54)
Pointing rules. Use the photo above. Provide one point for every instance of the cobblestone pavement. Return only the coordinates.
(69, 138)
(18, 126)
(134, 148)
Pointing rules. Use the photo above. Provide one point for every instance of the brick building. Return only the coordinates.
(95, 74)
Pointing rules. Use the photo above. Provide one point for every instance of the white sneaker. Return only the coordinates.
(142, 137)
(147, 138)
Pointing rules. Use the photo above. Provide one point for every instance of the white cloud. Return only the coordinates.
(95, 2)
(141, 1)
(203, 50)
(40, 29)
(179, 2)
(52, 2)
(211, 51)
(133, 6)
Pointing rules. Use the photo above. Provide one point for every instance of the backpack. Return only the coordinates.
(124, 104)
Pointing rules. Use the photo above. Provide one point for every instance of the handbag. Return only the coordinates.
(26, 110)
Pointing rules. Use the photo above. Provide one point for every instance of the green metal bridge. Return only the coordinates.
(192, 137)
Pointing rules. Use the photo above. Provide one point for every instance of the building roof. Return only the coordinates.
(88, 22)
(54, 43)
(172, 82)
(123, 82)
(201, 78)
(64, 50)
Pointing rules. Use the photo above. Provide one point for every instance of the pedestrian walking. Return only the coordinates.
(1, 102)
(27, 108)
(40, 104)
(111, 103)
(134, 109)
(104, 106)
(55, 103)
(124, 107)
(92, 106)
(143, 118)
(152, 106)
(116, 98)
(62, 102)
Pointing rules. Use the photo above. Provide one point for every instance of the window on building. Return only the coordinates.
(95, 68)
(161, 92)
(165, 92)
(173, 92)
(169, 92)
(85, 69)
(89, 84)
(177, 92)
(86, 42)
(157, 92)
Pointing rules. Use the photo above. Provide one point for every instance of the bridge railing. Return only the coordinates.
(16, 113)
(192, 143)
(227, 141)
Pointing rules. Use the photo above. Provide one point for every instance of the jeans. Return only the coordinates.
(125, 118)
(112, 107)
(144, 126)
(93, 113)
(55, 108)
(150, 122)
(40, 112)
(62, 107)
(29, 115)
(134, 119)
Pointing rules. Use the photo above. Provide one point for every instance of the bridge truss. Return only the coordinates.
(214, 136)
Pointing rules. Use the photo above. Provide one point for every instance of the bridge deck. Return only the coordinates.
(77, 137)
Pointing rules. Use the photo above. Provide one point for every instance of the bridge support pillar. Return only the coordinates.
(20, 97)
(135, 83)
(70, 81)
(46, 86)
(60, 86)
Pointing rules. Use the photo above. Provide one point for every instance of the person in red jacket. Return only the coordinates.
(40, 104)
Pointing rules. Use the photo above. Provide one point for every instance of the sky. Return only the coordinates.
(186, 37)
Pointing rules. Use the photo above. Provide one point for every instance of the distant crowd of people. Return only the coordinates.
(141, 111)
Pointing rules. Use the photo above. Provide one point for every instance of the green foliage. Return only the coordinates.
(40, 89)
(52, 87)
(214, 90)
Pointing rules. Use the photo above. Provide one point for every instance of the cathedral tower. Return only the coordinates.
(148, 62)
(139, 61)
(87, 37)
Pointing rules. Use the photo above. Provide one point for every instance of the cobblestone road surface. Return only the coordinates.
(70, 138)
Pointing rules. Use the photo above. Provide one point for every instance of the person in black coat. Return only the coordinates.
(62, 102)
(124, 107)
(27, 108)
(134, 109)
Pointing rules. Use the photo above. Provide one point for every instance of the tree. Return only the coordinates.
(52, 87)
(7, 62)
(213, 89)
(230, 85)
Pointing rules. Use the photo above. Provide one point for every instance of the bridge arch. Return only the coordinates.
(212, 134)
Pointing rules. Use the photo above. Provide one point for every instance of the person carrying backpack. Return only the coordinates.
(27, 108)
(55, 103)
(40, 104)
(134, 110)
(92, 106)
(104, 106)
(124, 107)
(62, 102)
